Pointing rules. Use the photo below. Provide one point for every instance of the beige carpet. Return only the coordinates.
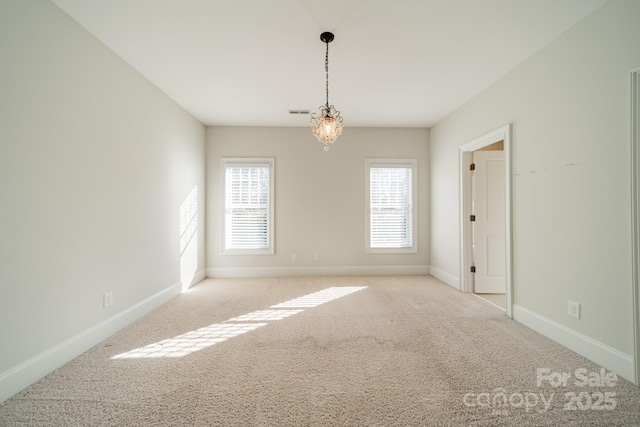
(399, 351)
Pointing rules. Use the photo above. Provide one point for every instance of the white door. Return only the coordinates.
(489, 225)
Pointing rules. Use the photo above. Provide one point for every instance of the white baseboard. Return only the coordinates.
(30, 371)
(368, 270)
(445, 277)
(602, 354)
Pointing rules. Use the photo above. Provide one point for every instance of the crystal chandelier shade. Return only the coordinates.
(327, 124)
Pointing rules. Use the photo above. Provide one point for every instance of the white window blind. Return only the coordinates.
(248, 189)
(391, 206)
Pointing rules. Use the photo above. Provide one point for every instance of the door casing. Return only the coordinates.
(635, 215)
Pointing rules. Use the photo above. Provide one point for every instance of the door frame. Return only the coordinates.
(635, 215)
(465, 157)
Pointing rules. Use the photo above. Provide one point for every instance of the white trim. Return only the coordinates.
(635, 215)
(363, 270)
(464, 160)
(445, 277)
(30, 371)
(602, 354)
(381, 163)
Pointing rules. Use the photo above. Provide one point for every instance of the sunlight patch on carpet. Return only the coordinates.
(190, 342)
(264, 315)
(318, 298)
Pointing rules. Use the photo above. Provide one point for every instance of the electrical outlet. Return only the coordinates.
(294, 256)
(107, 299)
(574, 309)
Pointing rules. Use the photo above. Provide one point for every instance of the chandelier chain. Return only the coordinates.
(326, 69)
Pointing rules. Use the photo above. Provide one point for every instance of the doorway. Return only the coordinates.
(485, 218)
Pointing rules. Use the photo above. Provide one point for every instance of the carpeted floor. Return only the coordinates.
(334, 351)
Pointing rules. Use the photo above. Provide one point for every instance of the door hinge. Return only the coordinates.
(473, 268)
(472, 218)
(472, 167)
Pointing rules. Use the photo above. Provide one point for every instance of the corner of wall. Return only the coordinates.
(445, 277)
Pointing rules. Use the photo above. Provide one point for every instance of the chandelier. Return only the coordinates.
(326, 125)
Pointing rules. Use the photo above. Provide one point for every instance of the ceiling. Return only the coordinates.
(401, 63)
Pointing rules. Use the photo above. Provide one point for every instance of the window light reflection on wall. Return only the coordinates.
(189, 239)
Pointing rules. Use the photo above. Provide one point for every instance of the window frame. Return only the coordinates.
(249, 162)
(392, 163)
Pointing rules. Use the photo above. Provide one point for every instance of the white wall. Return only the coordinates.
(320, 200)
(569, 106)
(95, 163)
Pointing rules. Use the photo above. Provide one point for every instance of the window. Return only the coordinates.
(248, 206)
(391, 206)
